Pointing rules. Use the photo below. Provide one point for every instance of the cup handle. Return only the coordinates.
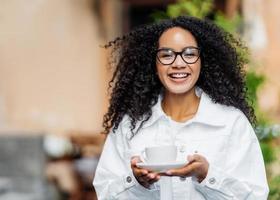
(143, 157)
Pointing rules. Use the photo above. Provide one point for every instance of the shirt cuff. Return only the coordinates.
(130, 180)
(219, 184)
(213, 180)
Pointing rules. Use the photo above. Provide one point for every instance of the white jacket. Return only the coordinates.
(222, 134)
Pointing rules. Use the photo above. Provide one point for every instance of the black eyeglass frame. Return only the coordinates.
(179, 53)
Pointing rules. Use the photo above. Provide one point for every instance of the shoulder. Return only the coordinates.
(230, 113)
(219, 114)
(123, 125)
(236, 123)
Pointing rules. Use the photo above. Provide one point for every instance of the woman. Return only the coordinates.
(180, 81)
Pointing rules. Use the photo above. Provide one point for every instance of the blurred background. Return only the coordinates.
(54, 77)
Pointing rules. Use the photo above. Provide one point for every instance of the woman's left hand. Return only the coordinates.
(197, 166)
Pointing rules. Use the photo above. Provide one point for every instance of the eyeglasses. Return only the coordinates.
(167, 56)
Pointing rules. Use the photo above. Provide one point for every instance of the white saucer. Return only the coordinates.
(161, 167)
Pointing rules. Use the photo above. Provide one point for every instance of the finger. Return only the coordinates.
(154, 176)
(182, 172)
(141, 179)
(154, 180)
(195, 158)
(140, 172)
(134, 160)
(150, 177)
(143, 182)
(190, 158)
(136, 170)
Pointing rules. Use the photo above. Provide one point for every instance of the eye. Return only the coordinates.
(165, 54)
(190, 52)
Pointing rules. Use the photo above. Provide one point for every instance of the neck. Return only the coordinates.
(180, 107)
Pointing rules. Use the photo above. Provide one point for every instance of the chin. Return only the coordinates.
(179, 91)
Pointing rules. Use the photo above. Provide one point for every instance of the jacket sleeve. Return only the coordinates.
(243, 177)
(113, 177)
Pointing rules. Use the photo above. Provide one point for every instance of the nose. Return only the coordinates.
(179, 62)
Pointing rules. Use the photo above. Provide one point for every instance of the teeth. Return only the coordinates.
(178, 75)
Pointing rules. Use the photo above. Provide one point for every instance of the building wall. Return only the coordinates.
(52, 70)
(271, 91)
(263, 30)
(53, 73)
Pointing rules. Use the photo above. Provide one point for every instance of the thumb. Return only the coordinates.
(135, 159)
(190, 158)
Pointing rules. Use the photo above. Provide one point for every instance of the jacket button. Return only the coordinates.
(128, 179)
(183, 178)
(212, 181)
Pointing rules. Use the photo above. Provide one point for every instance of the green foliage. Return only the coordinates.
(197, 8)
(159, 15)
(274, 187)
(253, 82)
(231, 25)
(268, 152)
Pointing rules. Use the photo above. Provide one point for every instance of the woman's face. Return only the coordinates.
(177, 76)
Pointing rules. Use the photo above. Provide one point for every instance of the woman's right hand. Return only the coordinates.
(144, 177)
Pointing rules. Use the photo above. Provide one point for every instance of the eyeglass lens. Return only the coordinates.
(167, 56)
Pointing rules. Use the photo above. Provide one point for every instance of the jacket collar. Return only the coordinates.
(208, 113)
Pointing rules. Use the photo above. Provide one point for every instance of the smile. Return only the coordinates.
(178, 75)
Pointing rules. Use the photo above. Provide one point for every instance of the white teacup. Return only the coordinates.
(159, 154)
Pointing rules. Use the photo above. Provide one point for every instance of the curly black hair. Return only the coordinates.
(136, 87)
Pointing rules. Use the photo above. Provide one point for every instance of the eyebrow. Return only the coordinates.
(168, 48)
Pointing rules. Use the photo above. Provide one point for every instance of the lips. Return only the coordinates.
(178, 75)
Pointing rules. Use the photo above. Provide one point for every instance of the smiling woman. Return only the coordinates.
(180, 82)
